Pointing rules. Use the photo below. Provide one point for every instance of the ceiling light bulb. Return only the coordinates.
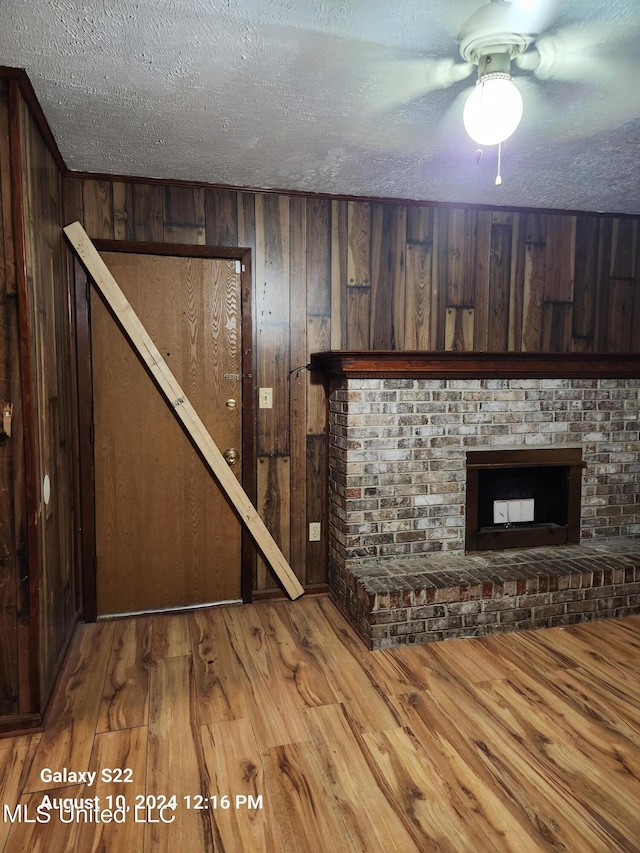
(493, 110)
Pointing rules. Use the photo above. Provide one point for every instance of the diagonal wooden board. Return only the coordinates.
(178, 402)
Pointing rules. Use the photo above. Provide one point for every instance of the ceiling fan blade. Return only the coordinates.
(532, 16)
(581, 54)
(403, 80)
(562, 110)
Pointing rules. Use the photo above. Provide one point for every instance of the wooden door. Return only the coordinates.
(165, 534)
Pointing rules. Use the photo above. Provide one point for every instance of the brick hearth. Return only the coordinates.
(421, 600)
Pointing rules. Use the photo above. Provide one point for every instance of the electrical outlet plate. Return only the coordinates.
(265, 398)
(314, 531)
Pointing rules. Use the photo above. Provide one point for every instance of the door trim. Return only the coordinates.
(85, 402)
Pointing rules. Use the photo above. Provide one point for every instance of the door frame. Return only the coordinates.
(85, 402)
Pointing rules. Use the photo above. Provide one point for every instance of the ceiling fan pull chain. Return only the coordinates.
(499, 175)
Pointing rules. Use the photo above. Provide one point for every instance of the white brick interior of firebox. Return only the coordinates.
(398, 450)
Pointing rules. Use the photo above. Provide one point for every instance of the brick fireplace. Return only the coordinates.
(402, 427)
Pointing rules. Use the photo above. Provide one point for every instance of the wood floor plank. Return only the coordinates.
(574, 749)
(594, 701)
(47, 831)
(618, 643)
(16, 756)
(218, 678)
(125, 701)
(73, 713)
(170, 635)
(175, 765)
(120, 751)
(551, 656)
(499, 741)
(296, 655)
(423, 798)
(503, 811)
(514, 655)
(309, 816)
(471, 660)
(420, 662)
(235, 771)
(367, 703)
(372, 821)
(594, 658)
(274, 714)
(386, 672)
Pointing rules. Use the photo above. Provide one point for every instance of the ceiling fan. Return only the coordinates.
(515, 47)
(490, 39)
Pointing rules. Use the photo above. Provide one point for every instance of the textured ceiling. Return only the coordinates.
(332, 97)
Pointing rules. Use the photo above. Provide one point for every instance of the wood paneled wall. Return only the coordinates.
(49, 389)
(12, 611)
(334, 274)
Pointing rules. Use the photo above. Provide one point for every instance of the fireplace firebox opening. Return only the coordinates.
(523, 498)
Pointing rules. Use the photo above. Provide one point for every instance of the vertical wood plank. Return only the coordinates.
(556, 326)
(316, 507)
(624, 263)
(604, 279)
(620, 329)
(359, 244)
(299, 379)
(624, 248)
(516, 296)
(534, 271)
(318, 250)
(318, 340)
(123, 212)
(339, 275)
(97, 204)
(586, 279)
(418, 302)
(148, 213)
(358, 313)
(440, 273)
(221, 217)
(11, 490)
(318, 300)
(273, 300)
(459, 329)
(72, 194)
(499, 283)
(184, 215)
(388, 245)
(560, 258)
(483, 277)
(274, 507)
(461, 257)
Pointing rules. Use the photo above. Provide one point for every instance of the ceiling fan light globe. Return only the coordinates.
(493, 110)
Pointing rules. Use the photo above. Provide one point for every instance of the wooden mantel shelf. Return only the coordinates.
(399, 364)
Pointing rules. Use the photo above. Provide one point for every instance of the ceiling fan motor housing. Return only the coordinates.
(490, 31)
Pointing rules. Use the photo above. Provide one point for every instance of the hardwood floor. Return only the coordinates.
(302, 740)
